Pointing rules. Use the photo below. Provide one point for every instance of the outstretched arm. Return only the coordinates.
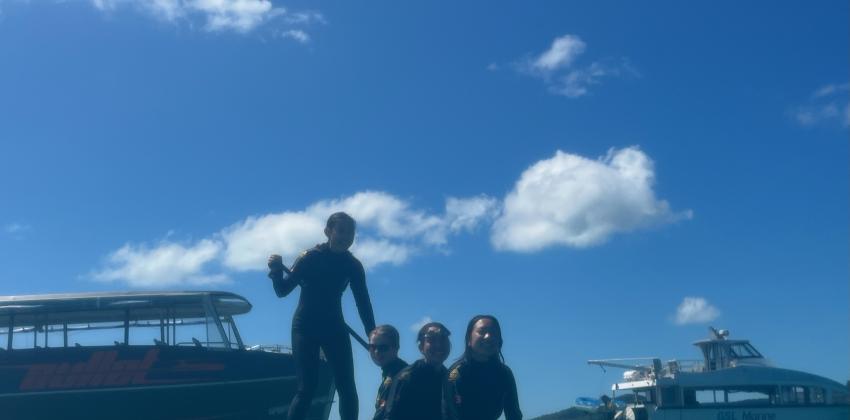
(361, 297)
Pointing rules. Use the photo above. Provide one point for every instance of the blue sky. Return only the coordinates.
(606, 178)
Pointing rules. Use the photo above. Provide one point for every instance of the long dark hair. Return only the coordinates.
(471, 326)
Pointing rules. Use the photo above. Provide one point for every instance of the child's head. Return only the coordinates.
(340, 231)
(434, 344)
(483, 338)
(383, 344)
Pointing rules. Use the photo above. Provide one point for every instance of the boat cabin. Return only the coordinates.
(199, 319)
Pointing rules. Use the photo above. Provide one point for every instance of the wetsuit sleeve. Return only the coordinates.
(396, 399)
(361, 297)
(284, 283)
(451, 396)
(512, 411)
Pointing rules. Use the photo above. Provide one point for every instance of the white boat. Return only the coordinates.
(733, 381)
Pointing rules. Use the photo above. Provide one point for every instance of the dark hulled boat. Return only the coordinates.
(141, 355)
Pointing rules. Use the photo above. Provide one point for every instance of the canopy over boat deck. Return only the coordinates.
(75, 308)
(167, 311)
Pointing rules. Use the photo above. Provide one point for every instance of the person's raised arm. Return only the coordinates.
(361, 297)
(284, 283)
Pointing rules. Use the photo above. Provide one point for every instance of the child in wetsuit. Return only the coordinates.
(480, 386)
(383, 348)
(417, 392)
(324, 272)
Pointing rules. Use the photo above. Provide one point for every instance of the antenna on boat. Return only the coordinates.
(718, 334)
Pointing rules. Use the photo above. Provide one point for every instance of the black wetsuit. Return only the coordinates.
(388, 375)
(318, 323)
(481, 391)
(417, 393)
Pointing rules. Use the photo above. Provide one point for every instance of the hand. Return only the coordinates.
(275, 262)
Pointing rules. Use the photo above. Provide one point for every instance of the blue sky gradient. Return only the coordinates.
(127, 127)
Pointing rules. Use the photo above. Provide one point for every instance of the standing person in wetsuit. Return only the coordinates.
(480, 386)
(417, 392)
(324, 272)
(383, 348)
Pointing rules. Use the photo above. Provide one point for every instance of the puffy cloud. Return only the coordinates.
(695, 310)
(574, 201)
(251, 241)
(390, 231)
(562, 53)
(167, 264)
(241, 16)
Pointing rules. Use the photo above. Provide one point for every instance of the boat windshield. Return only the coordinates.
(743, 351)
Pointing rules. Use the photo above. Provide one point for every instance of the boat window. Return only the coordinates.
(188, 330)
(231, 332)
(792, 395)
(709, 396)
(817, 395)
(96, 334)
(748, 396)
(743, 351)
(143, 333)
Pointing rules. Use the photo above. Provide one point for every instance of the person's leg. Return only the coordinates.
(337, 349)
(305, 350)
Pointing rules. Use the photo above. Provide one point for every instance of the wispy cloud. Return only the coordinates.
(558, 67)
(297, 35)
(421, 323)
(828, 104)
(390, 231)
(16, 228)
(240, 16)
(695, 310)
(574, 201)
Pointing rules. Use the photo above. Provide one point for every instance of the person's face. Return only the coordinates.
(435, 346)
(484, 341)
(382, 349)
(340, 236)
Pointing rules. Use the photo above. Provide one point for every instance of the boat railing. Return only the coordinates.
(270, 348)
(688, 365)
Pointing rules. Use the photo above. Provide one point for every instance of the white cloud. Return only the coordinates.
(558, 70)
(297, 35)
(421, 323)
(389, 230)
(578, 202)
(827, 104)
(467, 213)
(167, 264)
(251, 241)
(562, 53)
(240, 16)
(695, 310)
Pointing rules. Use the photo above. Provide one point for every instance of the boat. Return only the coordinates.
(733, 381)
(162, 355)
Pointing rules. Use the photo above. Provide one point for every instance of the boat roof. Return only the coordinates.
(116, 306)
(741, 376)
